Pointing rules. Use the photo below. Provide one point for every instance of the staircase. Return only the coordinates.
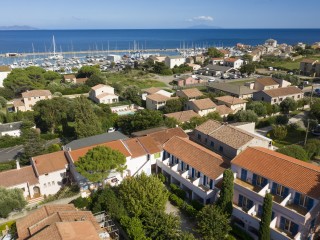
(34, 201)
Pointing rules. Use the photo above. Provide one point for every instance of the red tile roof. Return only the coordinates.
(50, 162)
(223, 110)
(158, 97)
(231, 100)
(282, 92)
(15, 177)
(266, 81)
(200, 158)
(115, 145)
(287, 171)
(190, 93)
(203, 104)
(164, 135)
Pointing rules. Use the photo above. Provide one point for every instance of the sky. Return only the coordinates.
(152, 14)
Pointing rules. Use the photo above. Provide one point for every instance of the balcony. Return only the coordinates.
(299, 209)
(247, 185)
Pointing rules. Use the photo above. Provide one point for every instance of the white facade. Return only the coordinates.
(103, 94)
(3, 75)
(174, 61)
(52, 182)
(13, 133)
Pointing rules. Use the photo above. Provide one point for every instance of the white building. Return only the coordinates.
(293, 184)
(234, 103)
(103, 94)
(172, 61)
(29, 99)
(235, 63)
(154, 90)
(4, 72)
(10, 129)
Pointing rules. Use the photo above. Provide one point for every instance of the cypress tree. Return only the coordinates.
(264, 231)
(226, 194)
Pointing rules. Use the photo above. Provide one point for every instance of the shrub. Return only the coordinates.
(80, 202)
(189, 210)
(197, 205)
(49, 136)
(175, 200)
(281, 119)
(162, 177)
(9, 141)
(176, 190)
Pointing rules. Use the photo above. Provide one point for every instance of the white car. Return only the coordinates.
(111, 130)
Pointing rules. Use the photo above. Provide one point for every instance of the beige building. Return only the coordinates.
(267, 83)
(154, 90)
(70, 78)
(103, 94)
(29, 99)
(156, 101)
(307, 67)
(235, 104)
(183, 116)
(277, 95)
(226, 139)
(202, 106)
(190, 93)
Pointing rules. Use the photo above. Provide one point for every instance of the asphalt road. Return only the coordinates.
(7, 154)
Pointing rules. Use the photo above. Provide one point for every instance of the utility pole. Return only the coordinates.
(307, 131)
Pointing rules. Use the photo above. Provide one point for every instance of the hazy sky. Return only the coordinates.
(106, 14)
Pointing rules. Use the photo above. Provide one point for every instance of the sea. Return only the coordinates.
(97, 40)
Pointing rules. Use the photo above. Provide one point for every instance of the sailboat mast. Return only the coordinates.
(54, 45)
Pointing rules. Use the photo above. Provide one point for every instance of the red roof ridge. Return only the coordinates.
(284, 157)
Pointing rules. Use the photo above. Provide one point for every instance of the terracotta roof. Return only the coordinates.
(231, 100)
(18, 102)
(200, 158)
(152, 90)
(102, 95)
(287, 171)
(149, 144)
(135, 147)
(15, 177)
(306, 60)
(36, 93)
(203, 104)
(231, 59)
(158, 97)
(225, 133)
(279, 92)
(68, 231)
(191, 93)
(163, 136)
(115, 145)
(183, 116)
(69, 76)
(266, 81)
(32, 218)
(50, 162)
(223, 110)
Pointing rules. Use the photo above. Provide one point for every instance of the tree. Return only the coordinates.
(51, 112)
(94, 80)
(173, 105)
(3, 102)
(214, 116)
(11, 199)
(226, 194)
(171, 122)
(287, 105)
(293, 79)
(33, 144)
(281, 119)
(161, 226)
(161, 68)
(246, 116)
(193, 123)
(134, 228)
(88, 71)
(6, 93)
(313, 148)
(294, 151)
(143, 194)
(141, 120)
(214, 53)
(247, 68)
(107, 200)
(264, 230)
(246, 57)
(98, 162)
(213, 223)
(279, 131)
(133, 94)
(315, 109)
(86, 121)
(258, 107)
(51, 75)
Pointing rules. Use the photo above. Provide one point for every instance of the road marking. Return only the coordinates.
(14, 148)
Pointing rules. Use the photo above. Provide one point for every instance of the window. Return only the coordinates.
(23, 189)
(221, 149)
(259, 181)
(199, 136)
(245, 203)
(279, 190)
(274, 100)
(280, 99)
(289, 226)
(212, 144)
(46, 174)
(244, 174)
(303, 200)
(298, 96)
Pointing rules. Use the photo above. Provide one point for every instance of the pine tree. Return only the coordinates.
(264, 231)
(86, 121)
(226, 194)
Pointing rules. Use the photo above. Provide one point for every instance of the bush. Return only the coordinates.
(176, 190)
(80, 202)
(161, 177)
(9, 141)
(182, 205)
(49, 136)
(281, 119)
(197, 205)
(189, 210)
(175, 200)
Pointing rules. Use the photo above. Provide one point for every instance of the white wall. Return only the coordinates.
(51, 183)
(3, 75)
(13, 133)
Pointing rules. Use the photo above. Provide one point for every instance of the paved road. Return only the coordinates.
(7, 154)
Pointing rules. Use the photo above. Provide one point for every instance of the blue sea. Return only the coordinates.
(84, 40)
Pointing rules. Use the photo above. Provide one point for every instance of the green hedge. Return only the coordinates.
(240, 234)
(49, 136)
(182, 205)
(197, 205)
(9, 141)
(178, 191)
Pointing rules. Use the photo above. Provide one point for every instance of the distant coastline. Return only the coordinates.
(17, 28)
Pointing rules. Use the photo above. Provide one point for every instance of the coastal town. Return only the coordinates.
(201, 143)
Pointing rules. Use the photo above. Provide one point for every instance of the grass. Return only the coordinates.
(135, 78)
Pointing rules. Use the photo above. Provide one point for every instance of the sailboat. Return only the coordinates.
(55, 56)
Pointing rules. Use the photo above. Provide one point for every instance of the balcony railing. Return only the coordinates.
(247, 185)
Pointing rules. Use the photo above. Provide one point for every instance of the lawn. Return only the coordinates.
(293, 137)
(135, 77)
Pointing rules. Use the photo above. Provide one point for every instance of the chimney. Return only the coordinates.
(18, 164)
